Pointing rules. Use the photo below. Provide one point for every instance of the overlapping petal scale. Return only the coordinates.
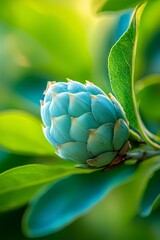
(60, 129)
(80, 127)
(102, 159)
(75, 151)
(59, 104)
(94, 90)
(100, 140)
(75, 87)
(119, 110)
(79, 104)
(102, 109)
(45, 114)
(54, 87)
(120, 135)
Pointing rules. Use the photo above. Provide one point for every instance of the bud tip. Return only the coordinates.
(42, 103)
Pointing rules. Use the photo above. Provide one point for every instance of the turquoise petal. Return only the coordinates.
(119, 110)
(48, 92)
(53, 87)
(79, 104)
(100, 140)
(102, 160)
(60, 128)
(45, 115)
(75, 87)
(48, 96)
(93, 89)
(59, 87)
(59, 105)
(74, 151)
(80, 127)
(120, 135)
(47, 134)
(103, 109)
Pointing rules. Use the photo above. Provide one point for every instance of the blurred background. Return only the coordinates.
(53, 40)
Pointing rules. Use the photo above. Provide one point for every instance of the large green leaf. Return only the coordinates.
(18, 185)
(151, 194)
(121, 66)
(62, 202)
(114, 5)
(22, 133)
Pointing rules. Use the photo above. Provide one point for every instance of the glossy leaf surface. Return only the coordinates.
(18, 185)
(61, 203)
(121, 71)
(151, 194)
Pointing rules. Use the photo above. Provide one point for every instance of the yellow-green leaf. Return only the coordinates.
(18, 185)
(22, 133)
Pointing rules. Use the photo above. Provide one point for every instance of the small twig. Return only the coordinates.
(141, 156)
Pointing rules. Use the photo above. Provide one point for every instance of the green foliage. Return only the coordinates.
(47, 51)
(115, 5)
(121, 71)
(49, 204)
(52, 40)
(19, 184)
(22, 134)
(148, 94)
(151, 194)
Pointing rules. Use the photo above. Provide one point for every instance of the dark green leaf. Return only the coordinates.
(115, 5)
(18, 185)
(121, 71)
(121, 66)
(151, 194)
(22, 133)
(62, 202)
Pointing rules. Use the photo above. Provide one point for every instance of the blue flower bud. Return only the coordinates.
(84, 124)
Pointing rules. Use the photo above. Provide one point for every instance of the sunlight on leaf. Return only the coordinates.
(22, 134)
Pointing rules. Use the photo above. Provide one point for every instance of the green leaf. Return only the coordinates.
(148, 94)
(114, 5)
(121, 66)
(43, 35)
(121, 70)
(22, 133)
(151, 194)
(18, 185)
(61, 203)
